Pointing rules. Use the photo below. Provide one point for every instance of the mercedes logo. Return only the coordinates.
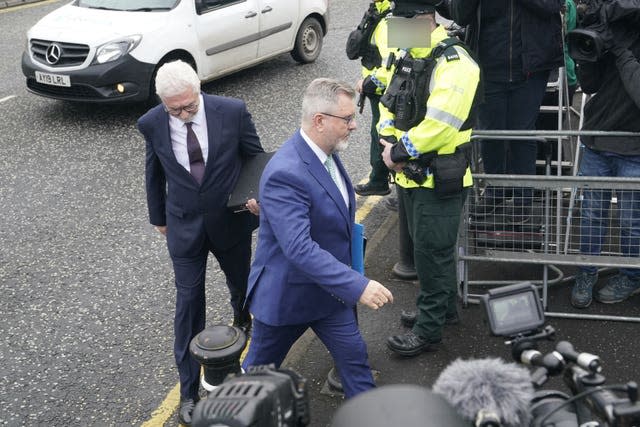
(53, 54)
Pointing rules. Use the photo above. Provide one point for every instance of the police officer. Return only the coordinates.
(373, 30)
(425, 117)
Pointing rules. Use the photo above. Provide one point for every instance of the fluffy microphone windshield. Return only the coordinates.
(487, 384)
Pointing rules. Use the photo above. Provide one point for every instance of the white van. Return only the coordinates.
(109, 50)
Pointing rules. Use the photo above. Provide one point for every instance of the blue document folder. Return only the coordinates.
(357, 248)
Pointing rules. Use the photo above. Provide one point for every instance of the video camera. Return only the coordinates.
(264, 396)
(516, 312)
(601, 25)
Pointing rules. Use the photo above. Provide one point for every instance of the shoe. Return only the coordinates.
(408, 319)
(582, 291)
(243, 321)
(185, 412)
(404, 271)
(369, 189)
(391, 203)
(409, 344)
(619, 288)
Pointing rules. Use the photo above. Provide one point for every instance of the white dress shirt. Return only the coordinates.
(178, 131)
(342, 186)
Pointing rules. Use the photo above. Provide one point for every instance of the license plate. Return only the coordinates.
(53, 79)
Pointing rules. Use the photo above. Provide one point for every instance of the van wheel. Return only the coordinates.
(153, 99)
(308, 41)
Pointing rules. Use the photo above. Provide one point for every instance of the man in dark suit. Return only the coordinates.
(301, 277)
(195, 146)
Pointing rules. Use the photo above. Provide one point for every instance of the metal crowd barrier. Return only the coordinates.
(551, 234)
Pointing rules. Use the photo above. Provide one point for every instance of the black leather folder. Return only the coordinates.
(248, 182)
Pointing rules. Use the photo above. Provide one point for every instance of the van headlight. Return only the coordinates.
(116, 49)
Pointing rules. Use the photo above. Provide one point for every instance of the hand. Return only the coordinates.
(359, 86)
(386, 157)
(162, 229)
(375, 295)
(253, 206)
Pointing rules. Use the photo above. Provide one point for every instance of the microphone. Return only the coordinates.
(478, 387)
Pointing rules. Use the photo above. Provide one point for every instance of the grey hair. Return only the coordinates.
(175, 78)
(322, 96)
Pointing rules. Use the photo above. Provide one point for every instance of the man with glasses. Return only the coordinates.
(301, 277)
(195, 146)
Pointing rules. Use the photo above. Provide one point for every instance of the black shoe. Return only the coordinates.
(409, 344)
(185, 412)
(404, 271)
(369, 189)
(408, 319)
(243, 321)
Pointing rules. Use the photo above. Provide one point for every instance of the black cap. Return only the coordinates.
(410, 8)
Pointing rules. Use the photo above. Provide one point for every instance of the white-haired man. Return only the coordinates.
(195, 146)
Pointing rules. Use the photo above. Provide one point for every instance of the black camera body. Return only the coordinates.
(595, 19)
(262, 397)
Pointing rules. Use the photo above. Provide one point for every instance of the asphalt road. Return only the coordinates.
(86, 311)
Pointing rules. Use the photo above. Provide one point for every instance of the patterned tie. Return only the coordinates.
(330, 165)
(196, 162)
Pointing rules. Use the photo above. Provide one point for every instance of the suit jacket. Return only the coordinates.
(301, 269)
(193, 212)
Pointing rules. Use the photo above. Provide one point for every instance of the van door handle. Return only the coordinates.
(250, 15)
(267, 9)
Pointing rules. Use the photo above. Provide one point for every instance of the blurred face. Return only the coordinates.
(183, 106)
(340, 123)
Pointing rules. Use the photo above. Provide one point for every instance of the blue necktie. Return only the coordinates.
(196, 162)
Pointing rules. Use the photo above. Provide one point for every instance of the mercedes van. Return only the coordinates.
(110, 50)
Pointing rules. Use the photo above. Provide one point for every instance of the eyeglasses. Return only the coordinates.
(191, 108)
(347, 119)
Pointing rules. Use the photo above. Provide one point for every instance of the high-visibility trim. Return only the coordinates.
(386, 124)
(411, 149)
(444, 117)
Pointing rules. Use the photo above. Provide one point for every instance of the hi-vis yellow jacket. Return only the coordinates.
(452, 90)
(379, 75)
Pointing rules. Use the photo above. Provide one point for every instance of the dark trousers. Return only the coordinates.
(433, 224)
(338, 332)
(190, 312)
(379, 175)
(511, 106)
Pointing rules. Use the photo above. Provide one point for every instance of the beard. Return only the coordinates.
(341, 145)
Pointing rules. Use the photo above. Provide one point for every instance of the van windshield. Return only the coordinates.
(136, 5)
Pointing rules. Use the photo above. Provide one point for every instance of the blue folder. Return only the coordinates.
(357, 248)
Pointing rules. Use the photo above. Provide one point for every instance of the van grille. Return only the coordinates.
(70, 54)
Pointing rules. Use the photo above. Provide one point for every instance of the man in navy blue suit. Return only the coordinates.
(195, 146)
(301, 277)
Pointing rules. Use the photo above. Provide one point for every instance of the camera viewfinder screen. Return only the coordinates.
(515, 313)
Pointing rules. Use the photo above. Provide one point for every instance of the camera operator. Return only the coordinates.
(615, 76)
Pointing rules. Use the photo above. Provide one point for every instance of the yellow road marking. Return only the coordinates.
(170, 403)
(28, 5)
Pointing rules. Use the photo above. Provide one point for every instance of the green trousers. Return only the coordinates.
(433, 225)
(379, 175)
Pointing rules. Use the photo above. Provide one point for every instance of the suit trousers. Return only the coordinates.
(190, 312)
(433, 225)
(338, 332)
